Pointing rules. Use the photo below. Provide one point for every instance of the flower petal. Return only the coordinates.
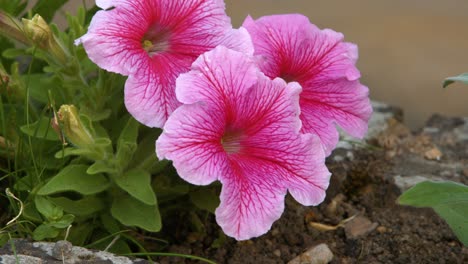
(219, 76)
(191, 140)
(250, 202)
(239, 40)
(289, 46)
(153, 42)
(149, 93)
(113, 40)
(307, 177)
(273, 135)
(243, 128)
(335, 102)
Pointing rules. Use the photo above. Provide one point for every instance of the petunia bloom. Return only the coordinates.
(290, 47)
(152, 42)
(242, 128)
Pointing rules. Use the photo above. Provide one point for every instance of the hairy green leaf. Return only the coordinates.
(137, 183)
(47, 208)
(131, 212)
(45, 231)
(63, 222)
(127, 143)
(75, 178)
(448, 199)
(100, 166)
(86, 206)
(40, 129)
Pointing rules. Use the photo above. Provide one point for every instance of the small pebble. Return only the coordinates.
(62, 250)
(320, 254)
(277, 253)
(275, 232)
(433, 154)
(358, 227)
(381, 229)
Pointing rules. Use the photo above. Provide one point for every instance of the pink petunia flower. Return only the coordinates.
(290, 47)
(242, 128)
(152, 42)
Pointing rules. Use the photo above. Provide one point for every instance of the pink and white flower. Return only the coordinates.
(242, 128)
(290, 47)
(153, 41)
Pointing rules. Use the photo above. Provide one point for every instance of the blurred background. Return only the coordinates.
(407, 47)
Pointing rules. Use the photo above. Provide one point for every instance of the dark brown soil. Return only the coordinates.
(361, 184)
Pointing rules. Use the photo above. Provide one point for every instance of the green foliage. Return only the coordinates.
(72, 154)
(137, 183)
(460, 78)
(132, 212)
(14, 7)
(40, 129)
(47, 8)
(205, 199)
(448, 199)
(75, 178)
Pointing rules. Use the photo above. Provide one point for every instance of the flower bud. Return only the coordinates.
(73, 128)
(12, 28)
(40, 34)
(38, 31)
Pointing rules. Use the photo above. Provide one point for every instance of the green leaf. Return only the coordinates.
(64, 222)
(205, 199)
(4, 238)
(40, 129)
(72, 151)
(80, 233)
(137, 183)
(127, 143)
(75, 178)
(86, 206)
(131, 212)
(100, 166)
(45, 231)
(47, 208)
(460, 78)
(31, 213)
(13, 53)
(47, 8)
(448, 199)
(39, 86)
(14, 7)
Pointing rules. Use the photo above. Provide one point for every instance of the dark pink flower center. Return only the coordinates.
(155, 40)
(231, 141)
(288, 77)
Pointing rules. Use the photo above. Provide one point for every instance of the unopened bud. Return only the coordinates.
(38, 31)
(40, 34)
(73, 128)
(12, 28)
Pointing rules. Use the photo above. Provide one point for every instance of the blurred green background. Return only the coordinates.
(407, 47)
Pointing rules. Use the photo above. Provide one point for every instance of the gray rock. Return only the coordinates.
(22, 259)
(406, 182)
(320, 254)
(60, 252)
